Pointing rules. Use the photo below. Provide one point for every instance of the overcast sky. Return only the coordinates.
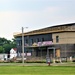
(34, 14)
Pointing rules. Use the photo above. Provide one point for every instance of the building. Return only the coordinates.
(55, 41)
(13, 53)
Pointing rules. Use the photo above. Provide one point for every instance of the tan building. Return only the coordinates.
(55, 41)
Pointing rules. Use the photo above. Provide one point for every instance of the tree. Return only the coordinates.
(4, 41)
(7, 48)
(6, 45)
(1, 49)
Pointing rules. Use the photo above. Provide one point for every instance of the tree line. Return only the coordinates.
(6, 45)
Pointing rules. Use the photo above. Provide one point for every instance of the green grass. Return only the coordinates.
(37, 70)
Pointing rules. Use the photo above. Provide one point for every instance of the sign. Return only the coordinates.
(28, 54)
(45, 43)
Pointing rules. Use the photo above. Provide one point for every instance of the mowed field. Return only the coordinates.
(37, 70)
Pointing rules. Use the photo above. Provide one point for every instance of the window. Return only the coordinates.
(27, 41)
(37, 40)
(57, 39)
(43, 39)
(31, 41)
(19, 43)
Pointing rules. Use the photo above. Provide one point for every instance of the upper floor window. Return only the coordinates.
(27, 41)
(31, 41)
(37, 40)
(19, 43)
(43, 39)
(57, 39)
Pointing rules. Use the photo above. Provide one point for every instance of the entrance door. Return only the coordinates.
(51, 52)
(57, 52)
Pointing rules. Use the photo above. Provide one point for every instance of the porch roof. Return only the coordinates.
(39, 46)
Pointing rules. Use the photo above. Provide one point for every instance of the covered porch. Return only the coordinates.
(41, 53)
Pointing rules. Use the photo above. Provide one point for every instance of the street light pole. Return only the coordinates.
(23, 45)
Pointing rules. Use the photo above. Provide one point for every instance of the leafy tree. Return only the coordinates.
(6, 45)
(14, 41)
(4, 41)
(1, 49)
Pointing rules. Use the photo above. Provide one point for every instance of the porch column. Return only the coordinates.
(54, 52)
(41, 54)
(54, 55)
(47, 52)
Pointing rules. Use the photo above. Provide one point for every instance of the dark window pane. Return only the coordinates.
(43, 39)
(57, 39)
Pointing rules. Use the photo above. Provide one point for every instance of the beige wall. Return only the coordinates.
(64, 38)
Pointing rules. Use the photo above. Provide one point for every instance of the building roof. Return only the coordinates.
(52, 29)
(15, 49)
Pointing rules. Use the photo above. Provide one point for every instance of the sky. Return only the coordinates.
(34, 14)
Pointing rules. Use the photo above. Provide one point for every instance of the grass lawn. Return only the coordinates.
(37, 70)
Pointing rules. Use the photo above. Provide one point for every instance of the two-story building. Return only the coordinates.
(54, 41)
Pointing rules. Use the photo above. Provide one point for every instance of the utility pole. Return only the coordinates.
(23, 46)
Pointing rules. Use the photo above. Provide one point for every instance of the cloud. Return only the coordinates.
(29, 18)
(12, 21)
